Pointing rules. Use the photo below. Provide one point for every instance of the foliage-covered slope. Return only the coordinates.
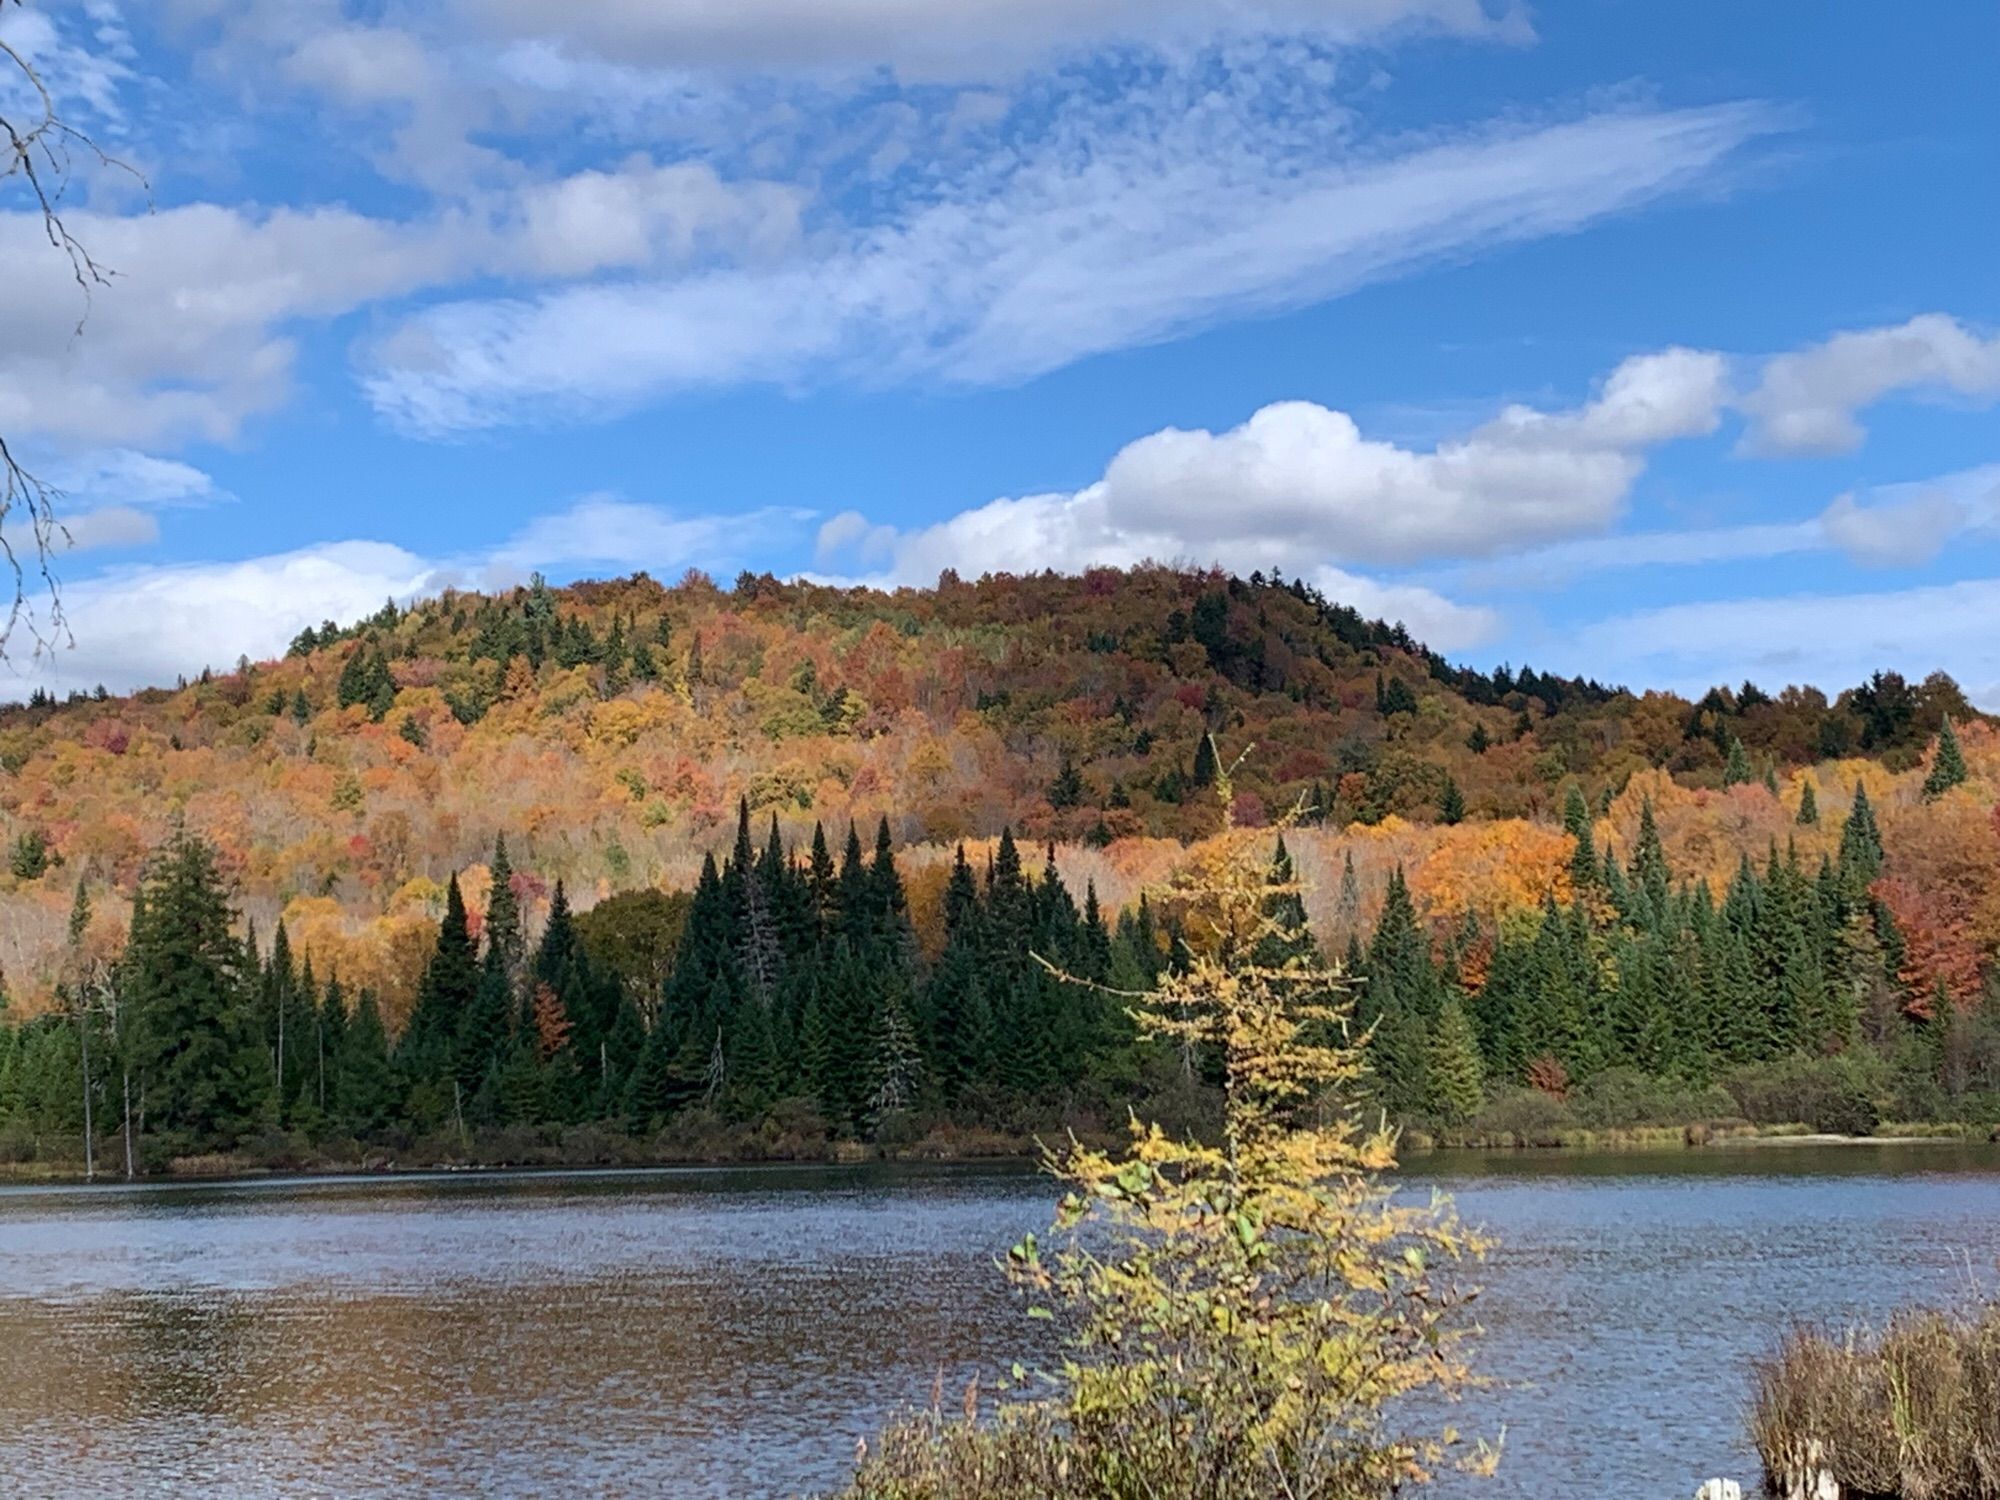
(609, 730)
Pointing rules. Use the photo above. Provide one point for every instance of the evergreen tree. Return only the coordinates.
(1205, 765)
(1577, 824)
(429, 1050)
(1808, 804)
(206, 1077)
(1736, 769)
(1453, 1069)
(1860, 842)
(1451, 804)
(1947, 764)
(504, 936)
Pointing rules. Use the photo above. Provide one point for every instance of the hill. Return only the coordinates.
(610, 729)
(619, 871)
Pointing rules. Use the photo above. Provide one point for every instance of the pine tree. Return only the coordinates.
(1947, 764)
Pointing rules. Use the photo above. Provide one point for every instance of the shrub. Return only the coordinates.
(1834, 1095)
(1523, 1117)
(1623, 1097)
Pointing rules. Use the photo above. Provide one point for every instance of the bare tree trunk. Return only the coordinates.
(89, 1132)
(281, 1056)
(128, 1124)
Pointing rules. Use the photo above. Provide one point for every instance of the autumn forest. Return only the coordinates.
(620, 870)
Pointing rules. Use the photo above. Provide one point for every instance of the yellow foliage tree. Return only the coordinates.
(1244, 1316)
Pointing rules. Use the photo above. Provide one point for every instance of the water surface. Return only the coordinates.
(732, 1332)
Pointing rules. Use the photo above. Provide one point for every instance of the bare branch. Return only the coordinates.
(39, 152)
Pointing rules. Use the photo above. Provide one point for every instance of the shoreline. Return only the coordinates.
(1660, 1140)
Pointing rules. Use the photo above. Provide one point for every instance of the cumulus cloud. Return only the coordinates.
(144, 625)
(1060, 255)
(139, 626)
(1805, 403)
(1299, 486)
(920, 40)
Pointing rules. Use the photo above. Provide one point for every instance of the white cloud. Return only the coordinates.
(1298, 486)
(106, 526)
(194, 335)
(1440, 623)
(608, 532)
(189, 340)
(1060, 253)
(923, 40)
(643, 215)
(145, 625)
(1897, 534)
(1831, 640)
(1806, 402)
(135, 627)
(129, 478)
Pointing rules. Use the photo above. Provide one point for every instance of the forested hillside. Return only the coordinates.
(620, 854)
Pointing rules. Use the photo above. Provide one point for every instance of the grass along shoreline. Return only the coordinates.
(586, 1149)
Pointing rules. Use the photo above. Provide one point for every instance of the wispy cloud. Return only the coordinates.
(1057, 256)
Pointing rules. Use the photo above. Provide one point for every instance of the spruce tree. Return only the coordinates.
(429, 1049)
(1860, 843)
(1453, 1070)
(1577, 824)
(1947, 764)
(1808, 804)
(503, 912)
(1451, 804)
(1205, 765)
(1736, 768)
(206, 1077)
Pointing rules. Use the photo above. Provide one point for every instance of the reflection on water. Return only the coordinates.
(733, 1332)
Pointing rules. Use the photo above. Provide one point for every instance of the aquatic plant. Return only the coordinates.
(1909, 1413)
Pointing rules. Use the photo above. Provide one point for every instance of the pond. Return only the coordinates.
(733, 1332)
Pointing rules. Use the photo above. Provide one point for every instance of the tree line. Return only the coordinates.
(796, 987)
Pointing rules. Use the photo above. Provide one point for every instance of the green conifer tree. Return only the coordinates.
(1808, 804)
(205, 1074)
(1736, 767)
(1947, 764)
(1453, 1070)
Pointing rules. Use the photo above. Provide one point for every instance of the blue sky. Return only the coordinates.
(1659, 343)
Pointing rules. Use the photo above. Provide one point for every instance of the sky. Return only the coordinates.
(1659, 344)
